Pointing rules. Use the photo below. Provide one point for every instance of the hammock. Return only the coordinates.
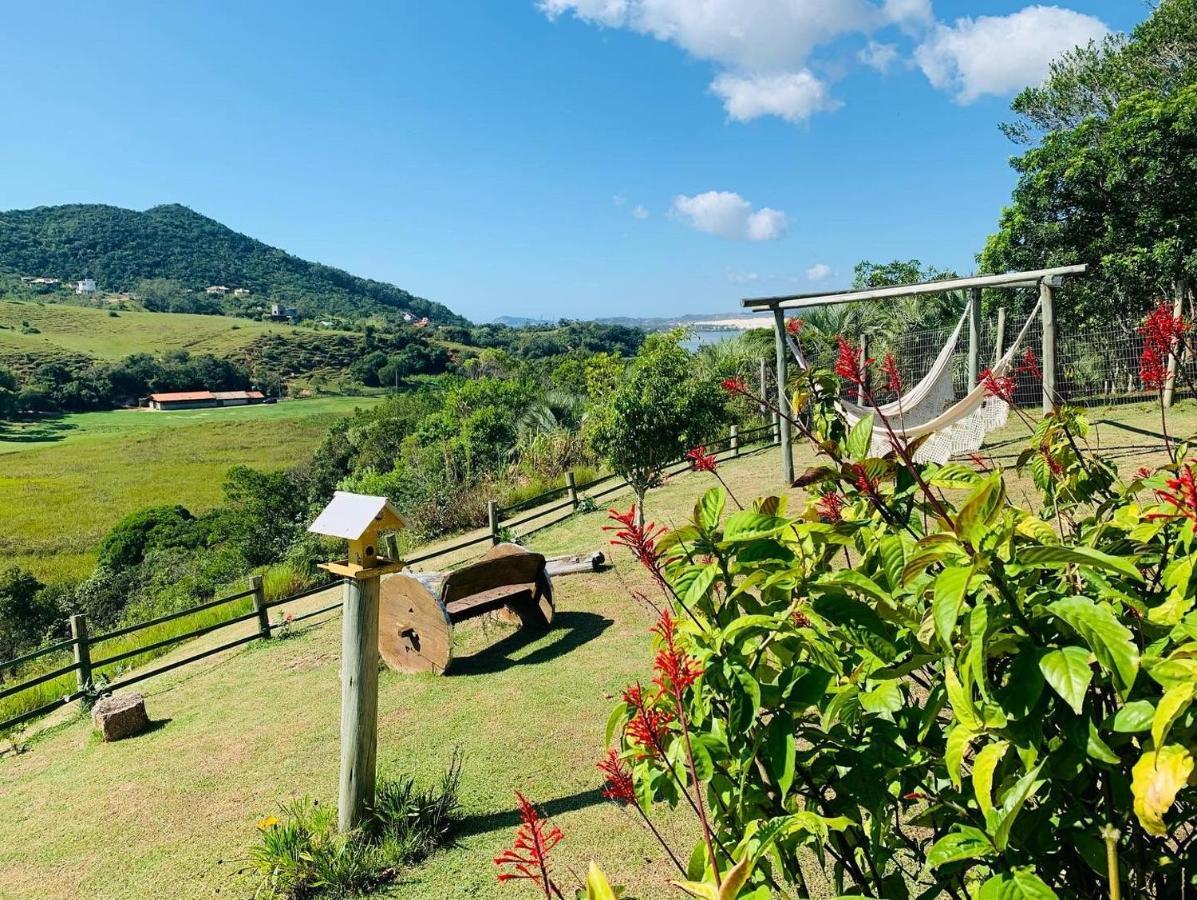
(928, 407)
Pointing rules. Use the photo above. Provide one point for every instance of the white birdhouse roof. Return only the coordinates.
(350, 516)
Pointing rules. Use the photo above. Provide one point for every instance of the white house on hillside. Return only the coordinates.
(85, 286)
(216, 289)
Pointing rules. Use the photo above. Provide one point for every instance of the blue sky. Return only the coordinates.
(565, 158)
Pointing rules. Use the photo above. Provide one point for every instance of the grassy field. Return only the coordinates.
(65, 481)
(78, 329)
(172, 813)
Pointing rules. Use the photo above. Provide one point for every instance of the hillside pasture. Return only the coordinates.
(64, 481)
(79, 330)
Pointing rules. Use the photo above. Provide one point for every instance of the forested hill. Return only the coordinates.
(120, 248)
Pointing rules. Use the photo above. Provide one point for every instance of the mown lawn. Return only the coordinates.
(171, 813)
(65, 481)
(81, 329)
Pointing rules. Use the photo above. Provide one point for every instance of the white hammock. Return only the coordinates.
(928, 407)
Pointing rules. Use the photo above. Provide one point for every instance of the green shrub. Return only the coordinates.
(303, 855)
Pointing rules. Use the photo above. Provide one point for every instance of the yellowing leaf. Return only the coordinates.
(1157, 777)
(959, 737)
(984, 765)
(597, 886)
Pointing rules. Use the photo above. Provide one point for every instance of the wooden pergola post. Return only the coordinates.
(764, 395)
(974, 335)
(1049, 344)
(999, 341)
(783, 402)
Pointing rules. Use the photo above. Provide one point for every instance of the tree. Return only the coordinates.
(153, 527)
(654, 414)
(9, 394)
(1117, 193)
(25, 614)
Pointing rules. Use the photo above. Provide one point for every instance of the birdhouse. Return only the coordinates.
(360, 519)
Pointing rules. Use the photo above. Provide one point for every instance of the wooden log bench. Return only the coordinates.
(416, 626)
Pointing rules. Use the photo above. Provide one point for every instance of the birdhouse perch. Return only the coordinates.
(360, 519)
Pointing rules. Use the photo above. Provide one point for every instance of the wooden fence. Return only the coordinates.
(86, 661)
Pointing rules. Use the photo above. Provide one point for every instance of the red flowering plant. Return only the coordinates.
(528, 858)
(701, 461)
(943, 693)
(1163, 339)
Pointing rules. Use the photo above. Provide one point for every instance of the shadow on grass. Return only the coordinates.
(483, 823)
(570, 630)
(39, 430)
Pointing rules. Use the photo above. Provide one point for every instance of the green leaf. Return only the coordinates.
(780, 753)
(615, 720)
(959, 737)
(750, 525)
(1170, 708)
(1067, 671)
(950, 587)
(967, 843)
(1057, 557)
(1110, 640)
(709, 508)
(885, 697)
(860, 438)
(696, 591)
(1099, 749)
(1157, 778)
(978, 510)
(962, 704)
(985, 763)
(1134, 717)
(597, 886)
(1021, 884)
(1012, 804)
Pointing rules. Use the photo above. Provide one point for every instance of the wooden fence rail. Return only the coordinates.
(81, 643)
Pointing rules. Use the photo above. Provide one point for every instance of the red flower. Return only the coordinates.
(1053, 464)
(848, 363)
(735, 385)
(529, 855)
(676, 669)
(1153, 372)
(999, 386)
(1143, 472)
(1182, 493)
(640, 539)
(799, 618)
(794, 327)
(1029, 365)
(619, 786)
(829, 506)
(701, 460)
(648, 725)
(893, 378)
(978, 462)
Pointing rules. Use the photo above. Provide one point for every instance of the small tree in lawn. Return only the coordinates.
(652, 415)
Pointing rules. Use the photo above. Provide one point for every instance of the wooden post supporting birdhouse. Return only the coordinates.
(360, 520)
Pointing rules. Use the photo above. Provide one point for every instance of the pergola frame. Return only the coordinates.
(1045, 279)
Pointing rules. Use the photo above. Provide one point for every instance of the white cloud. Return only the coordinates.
(742, 277)
(1002, 54)
(618, 200)
(640, 211)
(793, 96)
(730, 216)
(818, 272)
(879, 56)
(909, 11)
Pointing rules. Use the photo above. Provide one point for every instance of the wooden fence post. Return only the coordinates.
(783, 400)
(764, 388)
(1049, 345)
(82, 652)
(734, 440)
(359, 700)
(492, 516)
(260, 606)
(776, 428)
(974, 336)
(571, 482)
(999, 342)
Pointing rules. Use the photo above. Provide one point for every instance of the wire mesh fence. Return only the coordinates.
(1095, 366)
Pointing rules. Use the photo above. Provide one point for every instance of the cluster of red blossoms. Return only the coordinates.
(528, 857)
(619, 786)
(830, 506)
(893, 378)
(649, 724)
(1002, 386)
(701, 460)
(849, 365)
(735, 385)
(1163, 333)
(1182, 492)
(794, 327)
(640, 539)
(676, 669)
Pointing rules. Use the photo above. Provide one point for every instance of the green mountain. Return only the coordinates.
(120, 248)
